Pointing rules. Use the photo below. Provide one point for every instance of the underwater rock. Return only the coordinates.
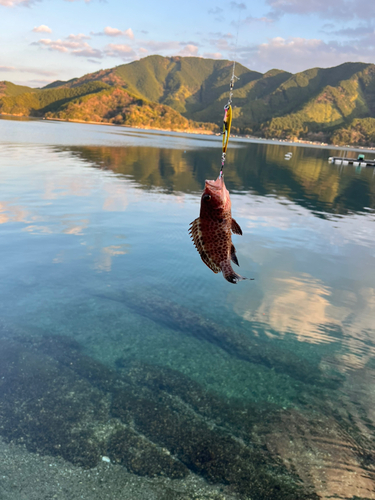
(235, 343)
(154, 421)
(236, 416)
(212, 453)
(143, 457)
(47, 407)
(324, 453)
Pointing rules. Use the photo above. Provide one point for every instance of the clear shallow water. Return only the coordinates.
(94, 247)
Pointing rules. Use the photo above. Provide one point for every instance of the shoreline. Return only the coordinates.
(237, 138)
(191, 131)
(28, 475)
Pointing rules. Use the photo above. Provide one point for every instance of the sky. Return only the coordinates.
(46, 40)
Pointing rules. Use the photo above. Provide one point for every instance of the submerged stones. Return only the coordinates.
(46, 406)
(232, 341)
(153, 421)
(142, 456)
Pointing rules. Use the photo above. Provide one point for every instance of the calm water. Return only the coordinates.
(118, 339)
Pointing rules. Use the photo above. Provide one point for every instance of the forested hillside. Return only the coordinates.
(333, 104)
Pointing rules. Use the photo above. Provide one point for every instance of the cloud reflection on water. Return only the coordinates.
(316, 269)
(315, 276)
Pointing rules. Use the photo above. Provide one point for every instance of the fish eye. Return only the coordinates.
(206, 197)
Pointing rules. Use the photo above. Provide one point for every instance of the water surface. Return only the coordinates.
(100, 281)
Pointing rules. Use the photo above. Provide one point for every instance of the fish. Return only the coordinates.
(212, 231)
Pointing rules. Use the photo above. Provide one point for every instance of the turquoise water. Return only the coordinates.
(96, 259)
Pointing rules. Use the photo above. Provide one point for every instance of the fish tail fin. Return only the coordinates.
(229, 274)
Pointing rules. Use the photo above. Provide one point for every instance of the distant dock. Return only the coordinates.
(356, 162)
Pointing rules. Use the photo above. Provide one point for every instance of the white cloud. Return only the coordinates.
(353, 32)
(34, 71)
(256, 20)
(129, 33)
(156, 46)
(221, 44)
(189, 50)
(334, 9)
(295, 44)
(88, 51)
(38, 83)
(299, 54)
(80, 36)
(112, 31)
(57, 45)
(42, 29)
(213, 55)
(7, 68)
(120, 50)
(116, 32)
(72, 45)
(13, 3)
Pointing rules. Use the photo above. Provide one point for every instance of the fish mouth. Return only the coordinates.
(218, 184)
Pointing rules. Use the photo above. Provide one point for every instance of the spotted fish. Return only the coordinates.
(212, 231)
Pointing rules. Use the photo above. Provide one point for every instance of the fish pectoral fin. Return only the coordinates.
(236, 227)
(233, 255)
(196, 235)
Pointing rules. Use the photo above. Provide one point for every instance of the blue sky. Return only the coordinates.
(46, 40)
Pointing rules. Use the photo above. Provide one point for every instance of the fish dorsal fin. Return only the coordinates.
(196, 234)
(233, 255)
(236, 227)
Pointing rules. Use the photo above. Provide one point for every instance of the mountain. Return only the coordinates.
(359, 131)
(36, 102)
(10, 89)
(116, 105)
(319, 104)
(95, 101)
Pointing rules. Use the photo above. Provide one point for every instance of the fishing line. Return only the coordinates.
(228, 112)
